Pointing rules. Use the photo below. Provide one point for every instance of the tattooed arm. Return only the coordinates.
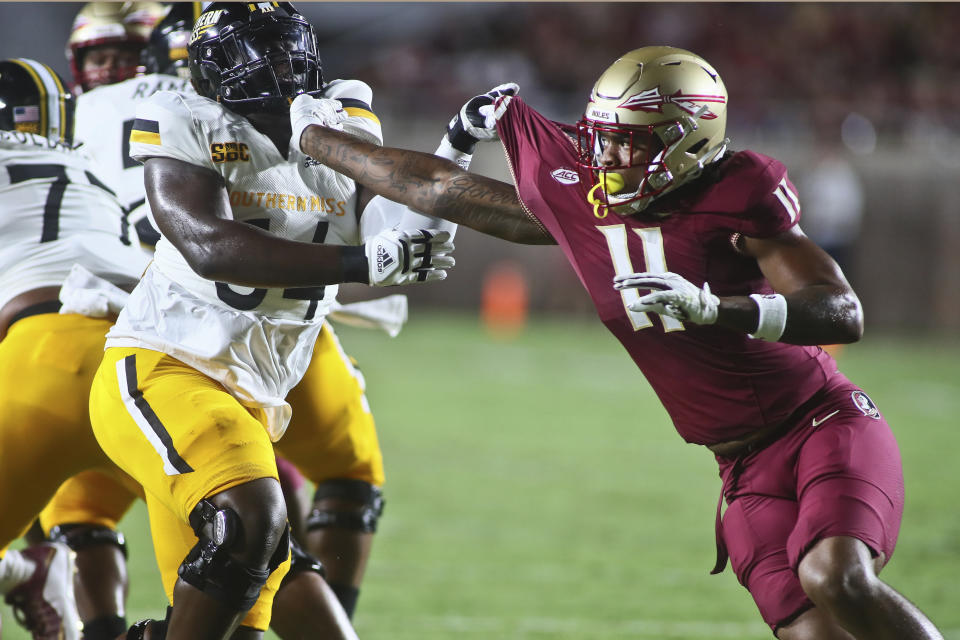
(428, 184)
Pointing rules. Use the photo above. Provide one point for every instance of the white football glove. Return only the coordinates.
(306, 110)
(672, 295)
(477, 119)
(404, 257)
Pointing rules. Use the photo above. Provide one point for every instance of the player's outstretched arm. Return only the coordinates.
(192, 208)
(423, 182)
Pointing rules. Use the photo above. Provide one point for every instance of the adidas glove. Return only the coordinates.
(477, 119)
(671, 295)
(306, 110)
(404, 257)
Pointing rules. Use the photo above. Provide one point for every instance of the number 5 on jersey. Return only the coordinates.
(655, 261)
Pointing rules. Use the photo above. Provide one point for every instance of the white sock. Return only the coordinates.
(15, 569)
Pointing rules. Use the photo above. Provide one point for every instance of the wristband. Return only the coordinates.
(356, 267)
(447, 151)
(773, 316)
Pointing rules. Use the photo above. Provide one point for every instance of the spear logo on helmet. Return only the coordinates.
(652, 101)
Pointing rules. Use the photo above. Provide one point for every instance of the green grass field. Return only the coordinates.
(536, 490)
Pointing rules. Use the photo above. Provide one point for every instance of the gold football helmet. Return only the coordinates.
(126, 24)
(667, 109)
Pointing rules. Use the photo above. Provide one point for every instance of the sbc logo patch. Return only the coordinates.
(229, 152)
(865, 404)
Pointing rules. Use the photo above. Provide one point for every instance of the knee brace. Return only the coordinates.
(210, 566)
(369, 497)
(83, 536)
(301, 561)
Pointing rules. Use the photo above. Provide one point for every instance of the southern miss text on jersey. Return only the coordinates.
(255, 341)
(715, 383)
(55, 212)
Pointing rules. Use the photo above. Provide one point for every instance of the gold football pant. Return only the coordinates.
(331, 435)
(47, 363)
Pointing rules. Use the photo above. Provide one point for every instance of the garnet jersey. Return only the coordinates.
(104, 120)
(255, 341)
(54, 212)
(716, 384)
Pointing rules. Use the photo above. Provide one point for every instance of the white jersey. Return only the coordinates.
(257, 342)
(104, 119)
(54, 212)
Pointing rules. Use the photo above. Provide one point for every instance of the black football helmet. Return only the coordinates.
(166, 50)
(253, 56)
(34, 99)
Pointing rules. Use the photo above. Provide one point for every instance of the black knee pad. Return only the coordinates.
(84, 536)
(158, 629)
(210, 566)
(359, 491)
(301, 561)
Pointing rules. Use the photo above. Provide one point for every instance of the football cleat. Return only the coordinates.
(45, 603)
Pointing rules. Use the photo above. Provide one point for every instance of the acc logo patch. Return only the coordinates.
(865, 404)
(565, 176)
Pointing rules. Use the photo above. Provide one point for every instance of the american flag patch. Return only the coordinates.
(26, 114)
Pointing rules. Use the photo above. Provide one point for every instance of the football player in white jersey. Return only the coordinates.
(345, 464)
(256, 237)
(109, 92)
(54, 211)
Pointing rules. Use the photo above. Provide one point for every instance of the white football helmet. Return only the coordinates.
(668, 101)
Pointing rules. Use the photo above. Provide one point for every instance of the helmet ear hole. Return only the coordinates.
(695, 148)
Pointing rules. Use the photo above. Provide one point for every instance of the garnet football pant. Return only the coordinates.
(836, 473)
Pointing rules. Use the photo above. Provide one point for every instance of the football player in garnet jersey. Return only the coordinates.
(255, 239)
(695, 262)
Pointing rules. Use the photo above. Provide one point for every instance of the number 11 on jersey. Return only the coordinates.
(654, 261)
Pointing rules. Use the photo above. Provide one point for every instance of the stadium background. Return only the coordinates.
(549, 496)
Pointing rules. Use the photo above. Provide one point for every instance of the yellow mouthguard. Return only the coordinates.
(610, 183)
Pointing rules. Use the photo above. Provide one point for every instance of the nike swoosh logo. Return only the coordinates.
(818, 421)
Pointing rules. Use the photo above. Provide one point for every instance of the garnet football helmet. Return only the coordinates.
(126, 24)
(254, 57)
(166, 52)
(668, 109)
(34, 99)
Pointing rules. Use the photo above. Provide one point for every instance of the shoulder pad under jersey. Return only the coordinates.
(356, 98)
(171, 125)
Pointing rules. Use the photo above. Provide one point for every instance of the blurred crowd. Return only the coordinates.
(889, 71)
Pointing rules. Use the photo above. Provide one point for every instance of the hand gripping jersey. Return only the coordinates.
(104, 120)
(716, 384)
(256, 342)
(55, 212)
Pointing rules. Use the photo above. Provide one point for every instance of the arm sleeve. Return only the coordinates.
(165, 127)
